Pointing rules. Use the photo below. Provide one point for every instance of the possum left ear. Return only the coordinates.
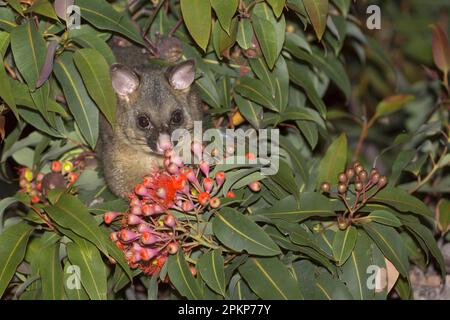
(182, 75)
(124, 80)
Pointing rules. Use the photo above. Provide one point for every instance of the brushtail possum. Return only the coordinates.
(152, 102)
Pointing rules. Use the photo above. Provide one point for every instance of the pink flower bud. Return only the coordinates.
(148, 210)
(148, 238)
(197, 149)
(204, 167)
(133, 220)
(143, 228)
(147, 253)
(127, 235)
(220, 178)
(141, 190)
(214, 202)
(136, 210)
(161, 193)
(110, 216)
(135, 202)
(158, 209)
(113, 236)
(208, 184)
(173, 247)
(187, 206)
(190, 175)
(255, 186)
(170, 220)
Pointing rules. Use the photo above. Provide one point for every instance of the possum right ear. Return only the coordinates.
(124, 80)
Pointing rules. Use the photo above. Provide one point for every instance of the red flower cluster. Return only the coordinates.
(149, 231)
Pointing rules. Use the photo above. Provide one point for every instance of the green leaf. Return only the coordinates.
(427, 236)
(197, 17)
(87, 38)
(71, 278)
(182, 278)
(245, 34)
(5, 88)
(317, 11)
(384, 217)
(329, 288)
(309, 131)
(269, 278)
(334, 161)
(251, 111)
(392, 104)
(277, 6)
(312, 204)
(13, 244)
(211, 268)
(354, 270)
(71, 213)
(301, 75)
(225, 11)
(443, 215)
(4, 204)
(95, 73)
(257, 91)
(15, 4)
(222, 41)
(92, 268)
(343, 243)
(80, 104)
(267, 37)
(51, 272)
(389, 241)
(441, 49)
(102, 15)
(401, 200)
(43, 8)
(239, 233)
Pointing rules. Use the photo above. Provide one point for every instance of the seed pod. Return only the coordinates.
(220, 178)
(325, 187)
(204, 167)
(356, 164)
(72, 177)
(375, 178)
(382, 182)
(208, 184)
(350, 173)
(342, 177)
(358, 186)
(363, 175)
(342, 188)
(109, 216)
(342, 223)
(255, 186)
(358, 169)
(187, 206)
(373, 171)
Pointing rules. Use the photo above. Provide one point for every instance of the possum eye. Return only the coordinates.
(177, 117)
(143, 121)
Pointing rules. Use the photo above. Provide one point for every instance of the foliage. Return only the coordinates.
(305, 67)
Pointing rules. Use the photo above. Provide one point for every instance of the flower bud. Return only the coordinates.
(350, 173)
(204, 167)
(342, 177)
(148, 210)
(220, 178)
(141, 190)
(148, 238)
(231, 194)
(203, 198)
(342, 188)
(161, 193)
(197, 149)
(109, 216)
(56, 166)
(170, 220)
(67, 166)
(128, 235)
(113, 236)
(148, 254)
(375, 178)
(255, 186)
(208, 184)
(358, 186)
(382, 182)
(133, 220)
(363, 175)
(325, 187)
(358, 169)
(136, 210)
(214, 202)
(173, 247)
(187, 206)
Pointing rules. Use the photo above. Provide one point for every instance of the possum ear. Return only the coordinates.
(124, 80)
(182, 75)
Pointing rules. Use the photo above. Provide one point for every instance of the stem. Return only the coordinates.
(363, 135)
(49, 224)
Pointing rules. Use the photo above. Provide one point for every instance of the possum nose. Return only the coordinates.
(164, 142)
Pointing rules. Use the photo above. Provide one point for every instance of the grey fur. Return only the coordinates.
(127, 152)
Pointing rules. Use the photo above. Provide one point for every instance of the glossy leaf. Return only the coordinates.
(443, 215)
(245, 34)
(181, 277)
(80, 104)
(5, 88)
(197, 17)
(392, 104)
(225, 11)
(95, 73)
(270, 279)
(211, 268)
(13, 243)
(334, 161)
(312, 204)
(401, 200)
(86, 256)
(51, 272)
(257, 91)
(277, 6)
(317, 11)
(71, 213)
(343, 243)
(441, 49)
(102, 15)
(390, 243)
(250, 110)
(384, 217)
(239, 233)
